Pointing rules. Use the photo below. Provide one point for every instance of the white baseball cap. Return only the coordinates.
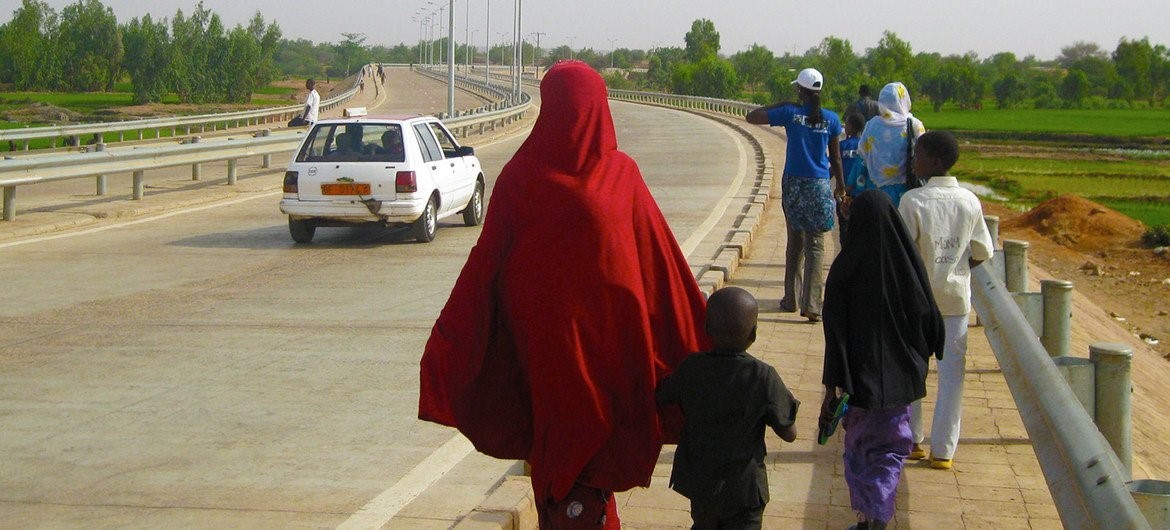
(809, 78)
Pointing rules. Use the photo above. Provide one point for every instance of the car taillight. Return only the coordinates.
(290, 182)
(404, 182)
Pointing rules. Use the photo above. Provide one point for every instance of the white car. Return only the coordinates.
(387, 170)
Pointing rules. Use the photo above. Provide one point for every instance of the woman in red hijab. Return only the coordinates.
(574, 303)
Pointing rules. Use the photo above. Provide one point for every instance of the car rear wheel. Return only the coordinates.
(424, 227)
(301, 230)
(473, 213)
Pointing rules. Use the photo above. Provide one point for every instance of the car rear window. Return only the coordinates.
(354, 142)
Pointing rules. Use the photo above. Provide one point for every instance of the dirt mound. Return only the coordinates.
(1079, 223)
(43, 113)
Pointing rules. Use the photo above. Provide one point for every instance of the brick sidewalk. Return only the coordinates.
(996, 482)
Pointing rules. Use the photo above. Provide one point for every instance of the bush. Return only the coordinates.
(1158, 236)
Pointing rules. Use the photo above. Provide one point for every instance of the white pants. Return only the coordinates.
(948, 403)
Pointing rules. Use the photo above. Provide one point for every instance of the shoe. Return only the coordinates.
(786, 308)
(940, 463)
(812, 317)
(839, 405)
(917, 452)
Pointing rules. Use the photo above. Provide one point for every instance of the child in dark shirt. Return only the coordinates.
(850, 166)
(727, 398)
(850, 156)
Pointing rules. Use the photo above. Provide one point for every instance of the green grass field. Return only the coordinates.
(1137, 186)
(1112, 122)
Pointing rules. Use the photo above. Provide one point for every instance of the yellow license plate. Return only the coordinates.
(345, 188)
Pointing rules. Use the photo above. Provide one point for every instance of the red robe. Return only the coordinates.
(574, 303)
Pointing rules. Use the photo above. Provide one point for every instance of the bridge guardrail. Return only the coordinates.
(175, 123)
(25, 171)
(1084, 476)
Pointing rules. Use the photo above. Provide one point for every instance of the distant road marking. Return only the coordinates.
(140, 221)
(705, 228)
(382, 508)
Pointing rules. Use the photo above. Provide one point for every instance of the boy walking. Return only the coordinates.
(946, 223)
(727, 398)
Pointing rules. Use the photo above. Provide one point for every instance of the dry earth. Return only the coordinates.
(1100, 251)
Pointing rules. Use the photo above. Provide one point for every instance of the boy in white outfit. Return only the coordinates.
(946, 223)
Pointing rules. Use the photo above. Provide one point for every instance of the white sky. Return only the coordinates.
(1024, 27)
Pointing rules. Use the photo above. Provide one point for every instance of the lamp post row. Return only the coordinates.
(428, 20)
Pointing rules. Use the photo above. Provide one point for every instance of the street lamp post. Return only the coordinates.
(451, 58)
(487, 37)
(467, 36)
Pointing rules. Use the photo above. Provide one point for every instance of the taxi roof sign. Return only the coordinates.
(354, 112)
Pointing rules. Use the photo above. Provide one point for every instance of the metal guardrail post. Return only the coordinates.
(1079, 372)
(101, 179)
(196, 168)
(992, 222)
(232, 171)
(139, 184)
(267, 158)
(1153, 499)
(9, 203)
(1112, 364)
(1016, 262)
(1057, 333)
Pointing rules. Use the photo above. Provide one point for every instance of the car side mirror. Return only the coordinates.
(465, 150)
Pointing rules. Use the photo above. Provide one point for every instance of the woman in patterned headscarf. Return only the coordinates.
(883, 143)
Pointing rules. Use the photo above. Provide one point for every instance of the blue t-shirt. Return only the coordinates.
(808, 147)
(850, 157)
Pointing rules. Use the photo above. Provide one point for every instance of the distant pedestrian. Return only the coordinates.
(865, 106)
(728, 398)
(813, 157)
(312, 102)
(574, 303)
(946, 223)
(885, 141)
(881, 327)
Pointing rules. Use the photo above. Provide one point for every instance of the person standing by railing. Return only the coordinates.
(312, 102)
(946, 223)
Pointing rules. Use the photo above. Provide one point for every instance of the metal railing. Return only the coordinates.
(30, 170)
(186, 124)
(723, 106)
(1085, 478)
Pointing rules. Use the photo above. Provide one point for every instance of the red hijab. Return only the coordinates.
(573, 304)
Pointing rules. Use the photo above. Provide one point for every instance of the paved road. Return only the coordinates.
(196, 368)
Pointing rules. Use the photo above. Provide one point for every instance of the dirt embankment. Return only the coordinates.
(1100, 251)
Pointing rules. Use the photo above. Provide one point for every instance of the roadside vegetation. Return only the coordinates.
(1091, 121)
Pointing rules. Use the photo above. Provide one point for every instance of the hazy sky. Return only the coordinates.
(1024, 27)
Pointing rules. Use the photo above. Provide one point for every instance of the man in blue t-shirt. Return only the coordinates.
(813, 156)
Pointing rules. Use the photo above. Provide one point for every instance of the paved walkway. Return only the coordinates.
(996, 481)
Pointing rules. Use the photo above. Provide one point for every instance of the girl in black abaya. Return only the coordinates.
(881, 327)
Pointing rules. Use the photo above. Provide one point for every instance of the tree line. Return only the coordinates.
(84, 48)
(1135, 74)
